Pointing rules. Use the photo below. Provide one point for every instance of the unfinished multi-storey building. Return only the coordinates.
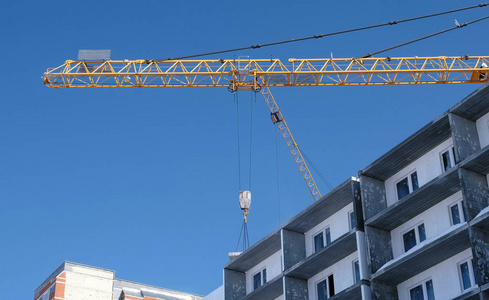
(423, 207)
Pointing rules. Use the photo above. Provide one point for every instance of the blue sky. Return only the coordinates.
(145, 181)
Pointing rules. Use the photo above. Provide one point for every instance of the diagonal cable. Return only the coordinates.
(256, 46)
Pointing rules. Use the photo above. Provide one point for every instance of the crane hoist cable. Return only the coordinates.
(278, 177)
(317, 36)
(243, 236)
(236, 100)
(244, 195)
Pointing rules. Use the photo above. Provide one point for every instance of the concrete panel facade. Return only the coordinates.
(373, 196)
(475, 192)
(295, 289)
(379, 248)
(465, 137)
(293, 247)
(234, 284)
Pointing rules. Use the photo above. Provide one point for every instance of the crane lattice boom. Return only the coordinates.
(271, 72)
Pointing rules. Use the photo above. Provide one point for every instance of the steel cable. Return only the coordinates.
(395, 22)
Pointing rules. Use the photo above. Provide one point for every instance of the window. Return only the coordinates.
(468, 277)
(457, 213)
(353, 219)
(259, 279)
(52, 289)
(44, 296)
(414, 236)
(325, 288)
(407, 185)
(423, 291)
(447, 159)
(356, 271)
(322, 239)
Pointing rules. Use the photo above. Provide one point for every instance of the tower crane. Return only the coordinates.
(260, 74)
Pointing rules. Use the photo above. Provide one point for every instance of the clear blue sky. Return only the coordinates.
(145, 181)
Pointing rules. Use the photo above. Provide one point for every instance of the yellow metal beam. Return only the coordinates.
(272, 72)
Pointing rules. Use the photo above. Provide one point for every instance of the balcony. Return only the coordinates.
(256, 253)
(353, 292)
(269, 290)
(478, 162)
(329, 204)
(326, 257)
(418, 201)
(424, 256)
(410, 149)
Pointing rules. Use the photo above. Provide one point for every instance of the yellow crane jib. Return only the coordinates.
(269, 72)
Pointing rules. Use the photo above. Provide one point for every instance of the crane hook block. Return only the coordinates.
(245, 200)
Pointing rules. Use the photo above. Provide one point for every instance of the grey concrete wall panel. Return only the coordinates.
(294, 247)
(410, 149)
(234, 285)
(352, 292)
(270, 290)
(329, 204)
(478, 162)
(324, 258)
(295, 289)
(465, 137)
(418, 201)
(256, 253)
(379, 247)
(422, 258)
(475, 192)
(382, 291)
(373, 196)
(480, 253)
(357, 205)
(474, 105)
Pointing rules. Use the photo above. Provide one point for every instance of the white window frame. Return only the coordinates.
(262, 281)
(325, 241)
(423, 286)
(460, 211)
(410, 183)
(416, 234)
(325, 278)
(349, 219)
(451, 152)
(473, 284)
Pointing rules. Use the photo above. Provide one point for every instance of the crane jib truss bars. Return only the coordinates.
(272, 72)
